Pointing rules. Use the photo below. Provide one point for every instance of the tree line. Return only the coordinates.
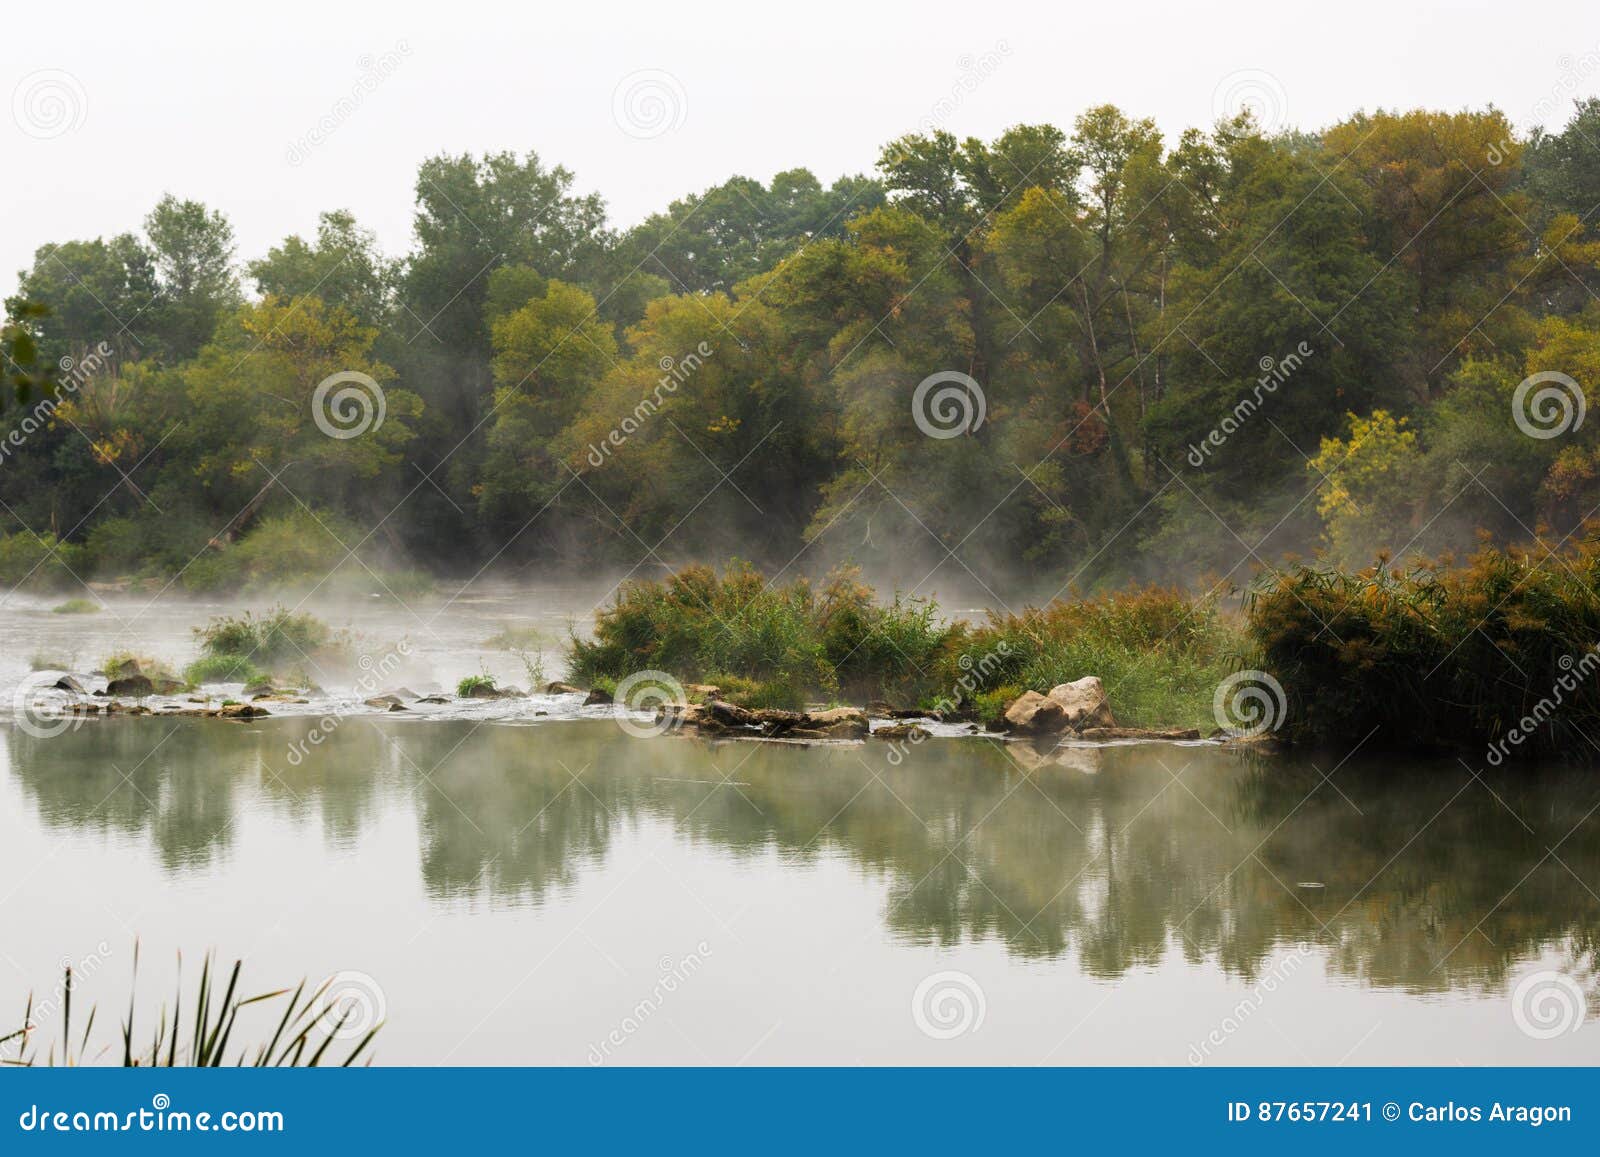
(1152, 358)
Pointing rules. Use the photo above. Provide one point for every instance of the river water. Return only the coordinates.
(523, 888)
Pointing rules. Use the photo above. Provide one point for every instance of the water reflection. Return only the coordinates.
(1415, 876)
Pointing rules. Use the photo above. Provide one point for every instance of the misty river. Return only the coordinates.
(527, 888)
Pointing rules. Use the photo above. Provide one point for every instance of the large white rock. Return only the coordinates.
(1084, 703)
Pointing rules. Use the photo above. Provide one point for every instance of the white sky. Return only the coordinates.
(206, 100)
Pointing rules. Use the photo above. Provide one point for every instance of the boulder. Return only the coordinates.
(68, 683)
(165, 685)
(840, 723)
(1084, 703)
(1034, 714)
(597, 697)
(433, 699)
(130, 685)
(123, 669)
(259, 687)
(559, 688)
(388, 702)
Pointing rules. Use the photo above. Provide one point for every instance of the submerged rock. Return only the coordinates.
(1102, 734)
(902, 731)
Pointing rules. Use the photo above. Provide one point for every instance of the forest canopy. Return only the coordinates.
(1091, 354)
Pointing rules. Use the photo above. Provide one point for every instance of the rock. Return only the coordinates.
(902, 731)
(1034, 714)
(168, 686)
(388, 702)
(1084, 702)
(123, 669)
(1101, 734)
(68, 683)
(259, 687)
(559, 688)
(484, 691)
(241, 711)
(597, 697)
(398, 707)
(399, 693)
(433, 699)
(841, 723)
(728, 714)
(130, 685)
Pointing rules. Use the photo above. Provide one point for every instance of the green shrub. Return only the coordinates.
(41, 562)
(473, 683)
(1439, 656)
(247, 647)
(76, 607)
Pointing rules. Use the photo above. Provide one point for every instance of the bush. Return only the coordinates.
(1438, 656)
(786, 638)
(248, 647)
(471, 683)
(1159, 652)
(76, 607)
(41, 562)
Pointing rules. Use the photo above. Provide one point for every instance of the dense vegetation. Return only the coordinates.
(784, 644)
(1195, 354)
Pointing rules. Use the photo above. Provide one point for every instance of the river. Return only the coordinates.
(521, 888)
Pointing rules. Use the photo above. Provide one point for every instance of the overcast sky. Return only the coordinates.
(240, 105)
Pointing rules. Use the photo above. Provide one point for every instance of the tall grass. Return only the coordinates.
(1160, 653)
(244, 648)
(200, 1031)
(1440, 656)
